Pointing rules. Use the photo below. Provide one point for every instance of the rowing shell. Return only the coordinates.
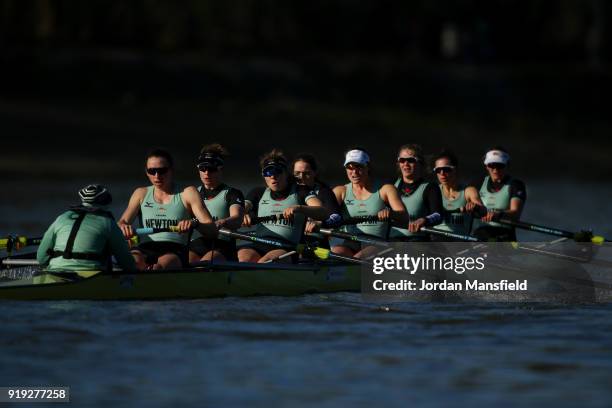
(220, 280)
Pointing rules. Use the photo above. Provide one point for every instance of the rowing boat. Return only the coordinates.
(205, 281)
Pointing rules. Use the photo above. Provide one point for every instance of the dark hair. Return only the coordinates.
(216, 149)
(274, 154)
(312, 162)
(417, 149)
(164, 154)
(500, 148)
(445, 154)
(306, 157)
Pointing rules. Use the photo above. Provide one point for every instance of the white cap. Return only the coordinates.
(357, 156)
(496, 156)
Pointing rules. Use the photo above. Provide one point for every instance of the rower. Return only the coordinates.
(305, 172)
(503, 196)
(422, 199)
(224, 203)
(458, 199)
(163, 205)
(282, 197)
(85, 237)
(362, 197)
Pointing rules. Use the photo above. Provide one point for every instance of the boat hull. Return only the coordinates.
(191, 283)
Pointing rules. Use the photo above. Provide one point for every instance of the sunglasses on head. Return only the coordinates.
(411, 160)
(157, 170)
(444, 169)
(207, 168)
(498, 166)
(272, 171)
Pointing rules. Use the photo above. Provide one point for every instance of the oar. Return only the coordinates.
(351, 237)
(581, 236)
(449, 234)
(11, 242)
(146, 231)
(321, 253)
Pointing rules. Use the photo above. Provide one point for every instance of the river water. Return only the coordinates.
(324, 350)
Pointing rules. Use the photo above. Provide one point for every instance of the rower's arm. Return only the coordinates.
(234, 221)
(389, 194)
(314, 209)
(472, 196)
(47, 243)
(516, 208)
(193, 203)
(339, 192)
(133, 207)
(119, 248)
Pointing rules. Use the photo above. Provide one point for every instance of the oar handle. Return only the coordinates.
(449, 234)
(146, 231)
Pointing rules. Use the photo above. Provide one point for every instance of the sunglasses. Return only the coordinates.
(498, 166)
(300, 174)
(157, 170)
(272, 171)
(210, 169)
(411, 160)
(354, 166)
(444, 169)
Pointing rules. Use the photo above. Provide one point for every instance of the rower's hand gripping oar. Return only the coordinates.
(581, 236)
(320, 253)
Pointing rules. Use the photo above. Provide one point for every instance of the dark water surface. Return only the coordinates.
(332, 350)
(328, 350)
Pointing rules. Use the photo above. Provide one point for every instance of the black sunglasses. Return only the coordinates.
(499, 166)
(157, 170)
(210, 169)
(411, 160)
(444, 169)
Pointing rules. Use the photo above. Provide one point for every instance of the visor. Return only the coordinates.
(496, 156)
(357, 156)
(209, 160)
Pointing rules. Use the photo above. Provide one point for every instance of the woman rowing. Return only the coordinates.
(362, 197)
(458, 198)
(305, 173)
(164, 205)
(422, 199)
(224, 203)
(85, 237)
(283, 198)
(503, 196)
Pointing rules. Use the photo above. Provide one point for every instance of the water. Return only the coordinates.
(324, 350)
